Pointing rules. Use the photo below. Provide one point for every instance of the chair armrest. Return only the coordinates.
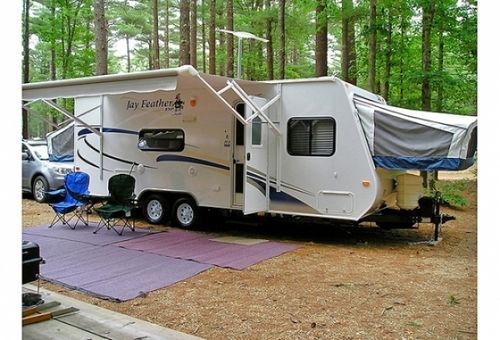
(55, 195)
(97, 198)
(58, 192)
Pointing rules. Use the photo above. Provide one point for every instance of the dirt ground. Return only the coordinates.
(343, 282)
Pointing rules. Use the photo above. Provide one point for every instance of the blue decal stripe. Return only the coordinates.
(177, 158)
(422, 163)
(87, 161)
(113, 157)
(87, 131)
(285, 198)
(258, 185)
(256, 176)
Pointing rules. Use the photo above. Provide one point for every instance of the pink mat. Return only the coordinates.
(198, 247)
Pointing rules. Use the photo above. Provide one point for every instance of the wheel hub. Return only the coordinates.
(154, 209)
(185, 213)
(39, 190)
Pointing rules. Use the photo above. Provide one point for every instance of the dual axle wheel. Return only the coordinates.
(156, 209)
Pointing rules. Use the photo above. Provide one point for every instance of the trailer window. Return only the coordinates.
(161, 140)
(257, 131)
(311, 137)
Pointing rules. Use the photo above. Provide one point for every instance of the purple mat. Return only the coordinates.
(198, 247)
(84, 233)
(107, 271)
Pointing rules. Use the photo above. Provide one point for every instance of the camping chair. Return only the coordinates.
(118, 207)
(76, 184)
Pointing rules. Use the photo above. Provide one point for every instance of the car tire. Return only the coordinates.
(155, 209)
(185, 213)
(38, 189)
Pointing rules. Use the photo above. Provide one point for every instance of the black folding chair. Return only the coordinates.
(118, 208)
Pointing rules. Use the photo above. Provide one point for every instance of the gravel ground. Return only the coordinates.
(343, 283)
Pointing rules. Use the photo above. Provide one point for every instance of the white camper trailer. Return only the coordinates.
(310, 147)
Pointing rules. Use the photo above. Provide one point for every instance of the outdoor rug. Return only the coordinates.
(107, 271)
(84, 233)
(207, 248)
(121, 268)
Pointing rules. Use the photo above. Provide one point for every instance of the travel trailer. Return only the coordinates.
(318, 147)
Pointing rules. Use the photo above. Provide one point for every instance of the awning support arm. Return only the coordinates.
(239, 91)
(265, 107)
(69, 115)
(41, 116)
(223, 101)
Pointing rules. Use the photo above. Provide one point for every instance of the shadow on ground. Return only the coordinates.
(314, 230)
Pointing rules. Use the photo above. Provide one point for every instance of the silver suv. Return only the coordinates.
(40, 174)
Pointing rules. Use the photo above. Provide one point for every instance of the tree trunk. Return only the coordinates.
(166, 37)
(427, 19)
(230, 39)
(26, 58)
(211, 37)
(101, 38)
(348, 43)
(53, 73)
(221, 64)
(372, 46)
(269, 44)
(127, 43)
(281, 39)
(440, 90)
(155, 61)
(402, 48)
(388, 54)
(203, 37)
(321, 50)
(68, 28)
(193, 44)
(184, 57)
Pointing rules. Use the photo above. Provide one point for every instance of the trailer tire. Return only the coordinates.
(155, 209)
(185, 213)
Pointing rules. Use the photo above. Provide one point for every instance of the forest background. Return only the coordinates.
(417, 54)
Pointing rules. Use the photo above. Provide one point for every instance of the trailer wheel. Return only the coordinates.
(185, 213)
(155, 209)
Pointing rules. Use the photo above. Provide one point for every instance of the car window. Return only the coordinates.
(41, 151)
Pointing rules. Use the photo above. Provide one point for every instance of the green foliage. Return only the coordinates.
(453, 192)
(414, 324)
(66, 31)
(452, 300)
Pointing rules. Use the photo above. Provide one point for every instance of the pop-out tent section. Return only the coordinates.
(401, 139)
(61, 143)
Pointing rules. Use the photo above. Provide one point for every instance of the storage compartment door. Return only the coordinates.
(256, 175)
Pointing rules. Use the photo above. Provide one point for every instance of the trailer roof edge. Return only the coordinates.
(182, 70)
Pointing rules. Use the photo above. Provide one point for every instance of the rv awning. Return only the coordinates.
(146, 81)
(406, 139)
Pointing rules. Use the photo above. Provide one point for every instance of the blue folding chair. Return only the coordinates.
(73, 204)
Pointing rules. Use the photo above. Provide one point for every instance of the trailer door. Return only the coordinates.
(256, 190)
